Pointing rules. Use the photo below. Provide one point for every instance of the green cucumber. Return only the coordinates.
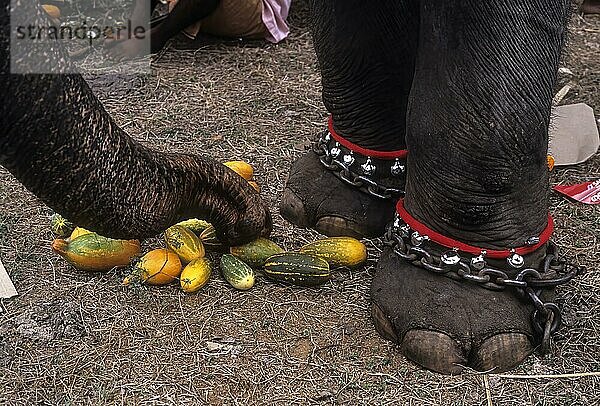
(237, 272)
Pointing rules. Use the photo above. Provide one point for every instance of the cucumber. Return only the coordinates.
(237, 272)
(257, 252)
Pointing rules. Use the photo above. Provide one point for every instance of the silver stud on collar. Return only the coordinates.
(533, 241)
(515, 260)
(368, 168)
(397, 168)
(450, 258)
(336, 151)
(478, 262)
(417, 239)
(349, 159)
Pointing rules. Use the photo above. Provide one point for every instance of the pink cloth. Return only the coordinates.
(274, 16)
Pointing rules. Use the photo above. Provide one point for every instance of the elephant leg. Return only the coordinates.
(57, 139)
(366, 54)
(477, 132)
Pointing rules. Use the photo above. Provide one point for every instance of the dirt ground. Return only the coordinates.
(77, 338)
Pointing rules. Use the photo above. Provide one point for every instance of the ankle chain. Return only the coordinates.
(528, 283)
(360, 170)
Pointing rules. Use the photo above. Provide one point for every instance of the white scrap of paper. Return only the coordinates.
(7, 289)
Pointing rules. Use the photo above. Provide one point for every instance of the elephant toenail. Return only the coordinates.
(292, 209)
(334, 226)
(502, 352)
(434, 350)
(382, 324)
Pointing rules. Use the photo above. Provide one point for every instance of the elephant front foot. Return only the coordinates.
(443, 307)
(446, 325)
(340, 192)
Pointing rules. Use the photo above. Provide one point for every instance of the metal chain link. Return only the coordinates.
(546, 319)
(343, 172)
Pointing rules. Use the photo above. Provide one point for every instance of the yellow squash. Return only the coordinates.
(157, 267)
(195, 275)
(91, 252)
(184, 243)
(338, 251)
(242, 168)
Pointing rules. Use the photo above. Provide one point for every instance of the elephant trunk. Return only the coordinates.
(58, 140)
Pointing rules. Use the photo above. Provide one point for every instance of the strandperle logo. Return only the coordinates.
(81, 31)
(77, 41)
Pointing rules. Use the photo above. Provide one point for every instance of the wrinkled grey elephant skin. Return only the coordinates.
(57, 139)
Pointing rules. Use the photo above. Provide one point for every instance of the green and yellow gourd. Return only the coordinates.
(92, 252)
(78, 232)
(184, 243)
(237, 272)
(338, 251)
(195, 225)
(257, 252)
(211, 241)
(297, 269)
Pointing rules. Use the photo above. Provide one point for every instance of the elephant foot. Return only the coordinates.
(315, 198)
(446, 325)
(340, 189)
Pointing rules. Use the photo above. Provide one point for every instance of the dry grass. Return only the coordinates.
(72, 337)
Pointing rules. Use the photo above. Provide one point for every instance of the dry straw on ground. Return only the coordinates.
(73, 337)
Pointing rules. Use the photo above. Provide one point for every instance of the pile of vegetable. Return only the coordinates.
(184, 259)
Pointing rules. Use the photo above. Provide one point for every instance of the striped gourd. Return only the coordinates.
(297, 269)
(184, 243)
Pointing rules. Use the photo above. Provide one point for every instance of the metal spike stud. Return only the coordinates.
(404, 231)
(336, 151)
(478, 262)
(450, 258)
(417, 239)
(349, 159)
(397, 168)
(515, 260)
(533, 241)
(368, 168)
